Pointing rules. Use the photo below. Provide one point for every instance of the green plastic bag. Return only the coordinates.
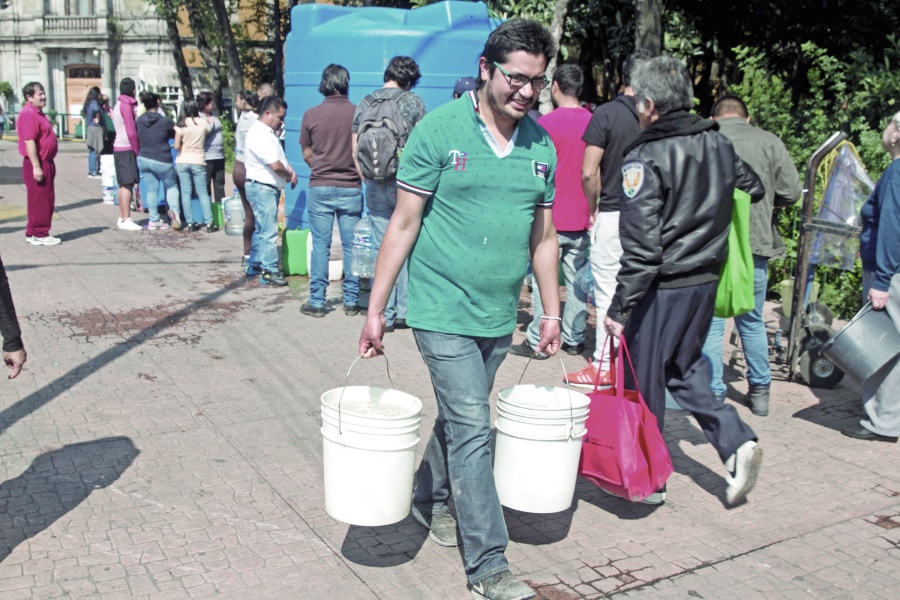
(735, 293)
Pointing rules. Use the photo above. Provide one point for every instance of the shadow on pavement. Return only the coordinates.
(837, 407)
(68, 236)
(79, 204)
(387, 546)
(10, 175)
(37, 399)
(57, 482)
(11, 229)
(536, 529)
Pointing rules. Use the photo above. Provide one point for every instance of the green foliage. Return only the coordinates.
(837, 95)
(228, 137)
(6, 89)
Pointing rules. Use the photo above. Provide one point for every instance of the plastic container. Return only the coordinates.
(363, 264)
(369, 445)
(233, 214)
(217, 214)
(787, 295)
(445, 40)
(539, 431)
(294, 256)
(868, 342)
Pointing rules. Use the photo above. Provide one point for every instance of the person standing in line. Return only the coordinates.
(190, 164)
(879, 249)
(14, 355)
(93, 134)
(475, 198)
(770, 159)
(37, 146)
(125, 150)
(678, 179)
(267, 173)
(463, 85)
(246, 102)
(2, 122)
(402, 75)
(571, 212)
(613, 126)
(155, 158)
(214, 149)
(264, 91)
(334, 187)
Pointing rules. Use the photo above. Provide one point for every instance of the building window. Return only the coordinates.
(80, 8)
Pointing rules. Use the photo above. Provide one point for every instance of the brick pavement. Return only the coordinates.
(164, 442)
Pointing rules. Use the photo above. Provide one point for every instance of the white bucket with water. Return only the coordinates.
(369, 437)
(539, 431)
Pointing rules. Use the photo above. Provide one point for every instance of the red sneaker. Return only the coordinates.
(585, 377)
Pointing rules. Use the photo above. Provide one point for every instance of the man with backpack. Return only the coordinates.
(381, 125)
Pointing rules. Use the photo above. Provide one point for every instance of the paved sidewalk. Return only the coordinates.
(163, 442)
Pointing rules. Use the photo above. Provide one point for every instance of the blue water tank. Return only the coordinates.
(445, 39)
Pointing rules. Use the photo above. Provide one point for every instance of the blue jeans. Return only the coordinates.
(396, 305)
(93, 162)
(263, 200)
(194, 176)
(155, 171)
(752, 330)
(324, 204)
(458, 458)
(573, 247)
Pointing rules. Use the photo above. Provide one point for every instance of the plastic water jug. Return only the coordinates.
(363, 264)
(234, 214)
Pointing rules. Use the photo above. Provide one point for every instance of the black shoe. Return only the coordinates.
(757, 399)
(270, 278)
(524, 349)
(212, 228)
(312, 311)
(389, 328)
(400, 324)
(720, 398)
(575, 350)
(861, 433)
(351, 310)
(193, 227)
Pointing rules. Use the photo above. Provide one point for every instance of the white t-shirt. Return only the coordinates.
(262, 148)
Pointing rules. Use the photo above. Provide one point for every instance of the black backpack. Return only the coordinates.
(380, 137)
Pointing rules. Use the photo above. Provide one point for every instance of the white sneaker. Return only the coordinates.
(47, 240)
(743, 468)
(157, 225)
(128, 224)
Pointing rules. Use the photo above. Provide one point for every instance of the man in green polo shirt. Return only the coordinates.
(474, 199)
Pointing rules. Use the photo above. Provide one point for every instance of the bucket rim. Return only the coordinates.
(415, 409)
(571, 394)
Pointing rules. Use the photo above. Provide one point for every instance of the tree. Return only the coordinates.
(168, 11)
(556, 30)
(648, 25)
(235, 73)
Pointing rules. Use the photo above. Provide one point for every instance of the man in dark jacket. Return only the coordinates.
(678, 179)
(14, 355)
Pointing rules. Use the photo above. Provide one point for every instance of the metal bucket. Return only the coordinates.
(864, 345)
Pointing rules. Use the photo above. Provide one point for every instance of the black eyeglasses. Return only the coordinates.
(519, 81)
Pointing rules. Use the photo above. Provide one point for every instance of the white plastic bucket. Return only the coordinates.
(107, 171)
(536, 456)
(369, 446)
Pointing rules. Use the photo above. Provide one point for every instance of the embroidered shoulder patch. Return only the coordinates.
(632, 178)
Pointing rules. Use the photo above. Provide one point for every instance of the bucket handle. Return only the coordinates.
(387, 366)
(568, 391)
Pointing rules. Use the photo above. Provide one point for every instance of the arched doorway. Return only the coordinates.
(79, 80)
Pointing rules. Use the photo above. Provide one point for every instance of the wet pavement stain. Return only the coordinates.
(169, 239)
(175, 323)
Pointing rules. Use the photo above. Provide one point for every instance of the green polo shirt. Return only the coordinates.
(467, 265)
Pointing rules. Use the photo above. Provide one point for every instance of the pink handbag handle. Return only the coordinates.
(619, 364)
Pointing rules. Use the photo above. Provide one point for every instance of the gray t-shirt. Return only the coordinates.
(411, 106)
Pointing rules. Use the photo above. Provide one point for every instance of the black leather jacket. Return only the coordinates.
(679, 180)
